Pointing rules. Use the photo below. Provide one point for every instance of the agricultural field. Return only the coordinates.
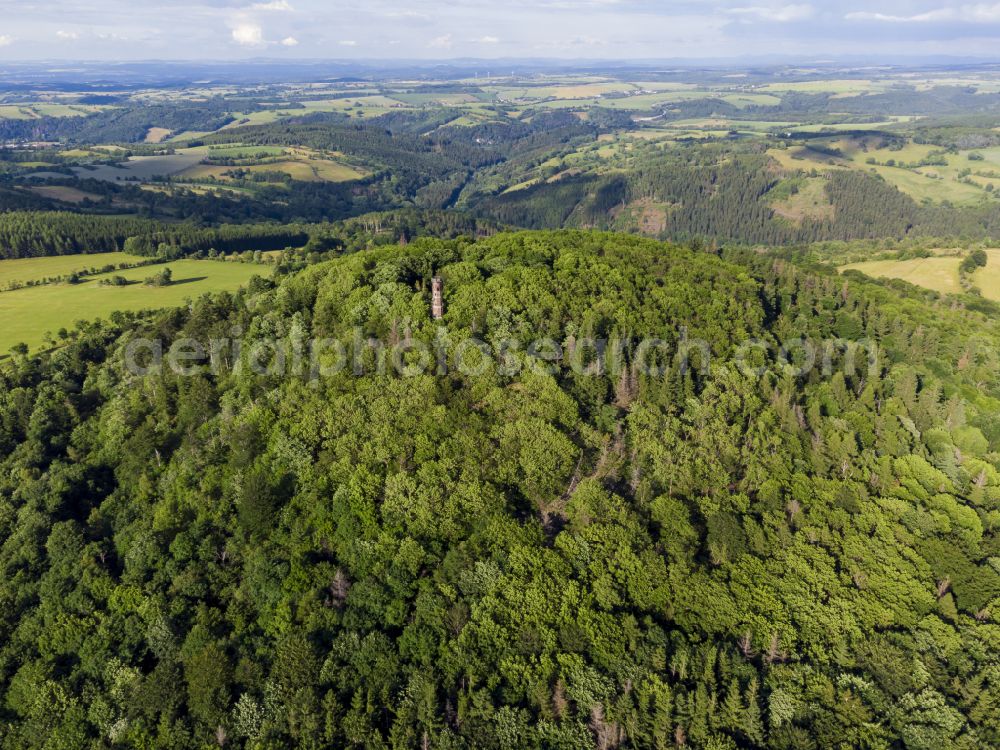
(187, 135)
(157, 135)
(63, 193)
(16, 112)
(565, 91)
(33, 312)
(442, 100)
(186, 163)
(802, 158)
(26, 270)
(850, 126)
(363, 105)
(924, 172)
(34, 111)
(987, 279)
(302, 170)
(142, 168)
(848, 87)
(915, 170)
(939, 274)
(239, 151)
(717, 123)
(751, 100)
(300, 164)
(981, 85)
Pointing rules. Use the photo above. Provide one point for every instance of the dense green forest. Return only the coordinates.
(30, 234)
(537, 555)
(25, 234)
(724, 193)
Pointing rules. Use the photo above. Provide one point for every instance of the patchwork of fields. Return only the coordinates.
(200, 163)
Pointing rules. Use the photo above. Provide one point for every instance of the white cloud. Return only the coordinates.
(587, 41)
(248, 35)
(290, 41)
(67, 35)
(5, 40)
(488, 40)
(441, 42)
(781, 13)
(976, 13)
(276, 5)
(930, 16)
(347, 43)
(407, 14)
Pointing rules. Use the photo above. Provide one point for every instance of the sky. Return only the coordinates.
(447, 29)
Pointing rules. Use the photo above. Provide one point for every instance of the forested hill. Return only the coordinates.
(737, 558)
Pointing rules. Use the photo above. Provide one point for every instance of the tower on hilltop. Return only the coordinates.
(437, 298)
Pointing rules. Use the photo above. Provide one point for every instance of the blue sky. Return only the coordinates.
(434, 29)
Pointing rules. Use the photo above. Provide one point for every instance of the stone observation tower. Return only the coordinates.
(437, 298)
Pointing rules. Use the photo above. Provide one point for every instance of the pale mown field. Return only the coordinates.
(939, 274)
(988, 279)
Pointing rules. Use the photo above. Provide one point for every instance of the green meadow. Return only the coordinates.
(26, 270)
(33, 312)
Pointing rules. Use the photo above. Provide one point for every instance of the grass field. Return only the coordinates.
(64, 193)
(157, 135)
(900, 167)
(798, 158)
(32, 312)
(23, 270)
(143, 167)
(444, 100)
(988, 279)
(302, 169)
(841, 87)
(221, 190)
(16, 112)
(362, 106)
(934, 183)
(809, 202)
(238, 151)
(35, 111)
(939, 274)
(187, 135)
(844, 126)
(568, 91)
(717, 123)
(751, 100)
